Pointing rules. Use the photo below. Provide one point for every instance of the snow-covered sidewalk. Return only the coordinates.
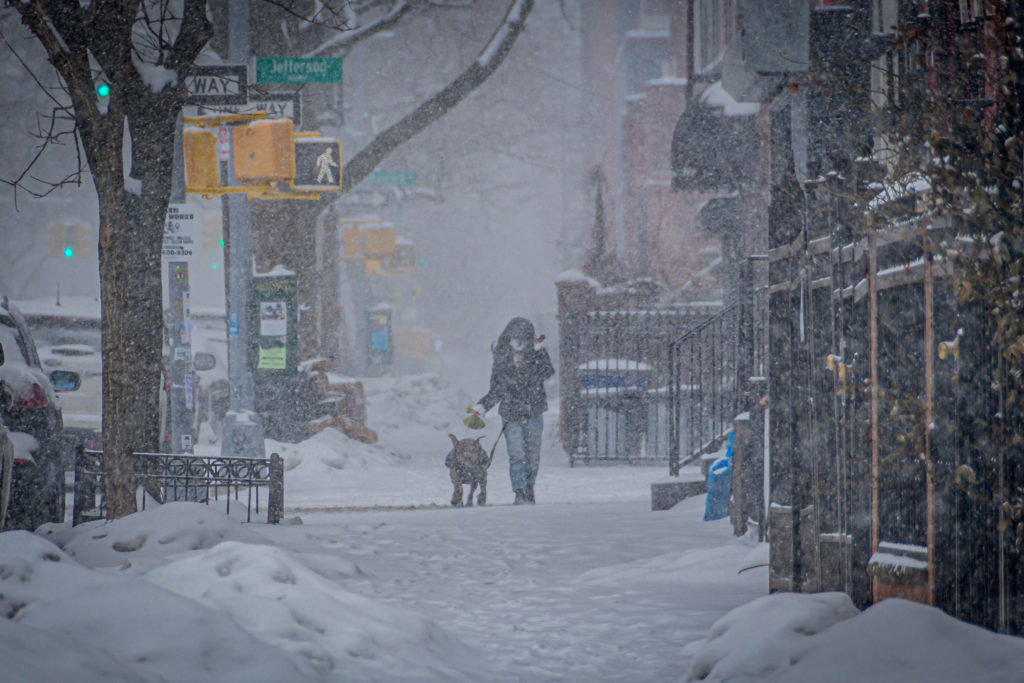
(373, 577)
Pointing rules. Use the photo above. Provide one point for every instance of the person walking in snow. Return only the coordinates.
(520, 367)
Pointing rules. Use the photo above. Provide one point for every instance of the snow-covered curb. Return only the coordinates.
(817, 637)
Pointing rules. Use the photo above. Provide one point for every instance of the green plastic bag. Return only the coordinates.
(473, 420)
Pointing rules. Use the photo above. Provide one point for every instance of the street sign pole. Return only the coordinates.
(242, 432)
(179, 364)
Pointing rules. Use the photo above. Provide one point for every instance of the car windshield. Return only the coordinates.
(60, 332)
(9, 343)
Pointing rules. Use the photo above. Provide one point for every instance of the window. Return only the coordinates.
(707, 34)
(971, 10)
(10, 349)
(654, 14)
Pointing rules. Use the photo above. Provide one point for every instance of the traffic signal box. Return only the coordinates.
(201, 168)
(266, 154)
(371, 241)
(264, 151)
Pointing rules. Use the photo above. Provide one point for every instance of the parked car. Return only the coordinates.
(32, 414)
(6, 472)
(68, 336)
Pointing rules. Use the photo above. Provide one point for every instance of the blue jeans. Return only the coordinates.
(522, 439)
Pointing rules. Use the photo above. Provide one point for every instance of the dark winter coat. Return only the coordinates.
(519, 388)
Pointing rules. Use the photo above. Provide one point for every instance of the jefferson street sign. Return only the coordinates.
(317, 164)
(217, 84)
(298, 70)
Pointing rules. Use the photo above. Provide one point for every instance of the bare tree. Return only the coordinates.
(144, 49)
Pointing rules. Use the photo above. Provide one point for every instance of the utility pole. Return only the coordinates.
(176, 319)
(243, 431)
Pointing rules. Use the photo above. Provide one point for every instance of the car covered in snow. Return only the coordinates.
(67, 333)
(32, 414)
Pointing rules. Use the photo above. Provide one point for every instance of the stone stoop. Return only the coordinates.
(665, 494)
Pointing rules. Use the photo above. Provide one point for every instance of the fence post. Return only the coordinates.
(81, 499)
(275, 504)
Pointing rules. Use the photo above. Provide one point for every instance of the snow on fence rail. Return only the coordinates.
(184, 476)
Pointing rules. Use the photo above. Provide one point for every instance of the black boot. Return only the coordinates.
(520, 497)
(529, 495)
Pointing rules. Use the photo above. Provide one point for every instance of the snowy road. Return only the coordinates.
(610, 592)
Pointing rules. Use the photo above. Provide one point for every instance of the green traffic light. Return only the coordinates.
(68, 252)
(103, 90)
(213, 265)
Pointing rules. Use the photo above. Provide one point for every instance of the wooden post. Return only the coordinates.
(873, 328)
(929, 418)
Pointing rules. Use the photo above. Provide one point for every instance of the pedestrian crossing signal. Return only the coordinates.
(317, 164)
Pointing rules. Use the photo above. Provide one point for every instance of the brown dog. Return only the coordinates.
(467, 463)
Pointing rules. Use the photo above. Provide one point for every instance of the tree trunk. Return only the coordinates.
(131, 237)
(132, 326)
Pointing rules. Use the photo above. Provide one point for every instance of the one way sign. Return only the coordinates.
(217, 84)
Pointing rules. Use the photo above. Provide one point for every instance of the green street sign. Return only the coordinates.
(298, 69)
(389, 177)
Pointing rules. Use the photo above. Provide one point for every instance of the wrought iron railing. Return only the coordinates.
(174, 477)
(615, 400)
(705, 388)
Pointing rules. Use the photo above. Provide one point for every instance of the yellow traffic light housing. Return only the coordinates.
(201, 168)
(264, 152)
(352, 241)
(378, 240)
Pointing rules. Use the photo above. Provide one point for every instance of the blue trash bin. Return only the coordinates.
(719, 486)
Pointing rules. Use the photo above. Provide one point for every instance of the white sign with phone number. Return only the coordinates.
(181, 232)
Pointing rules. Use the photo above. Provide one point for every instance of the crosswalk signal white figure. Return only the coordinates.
(324, 164)
(318, 164)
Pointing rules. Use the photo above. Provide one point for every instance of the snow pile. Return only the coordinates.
(334, 631)
(412, 416)
(814, 637)
(207, 597)
(64, 617)
(153, 534)
(426, 400)
(763, 636)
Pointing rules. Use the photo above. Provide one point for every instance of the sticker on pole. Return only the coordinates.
(317, 164)
(180, 232)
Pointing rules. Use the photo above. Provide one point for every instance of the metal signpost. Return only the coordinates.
(273, 162)
(242, 432)
(178, 251)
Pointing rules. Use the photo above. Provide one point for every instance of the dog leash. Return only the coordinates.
(504, 423)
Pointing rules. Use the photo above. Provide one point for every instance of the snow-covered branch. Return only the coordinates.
(480, 70)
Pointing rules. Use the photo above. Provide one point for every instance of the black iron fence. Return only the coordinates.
(168, 477)
(892, 469)
(705, 386)
(615, 401)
